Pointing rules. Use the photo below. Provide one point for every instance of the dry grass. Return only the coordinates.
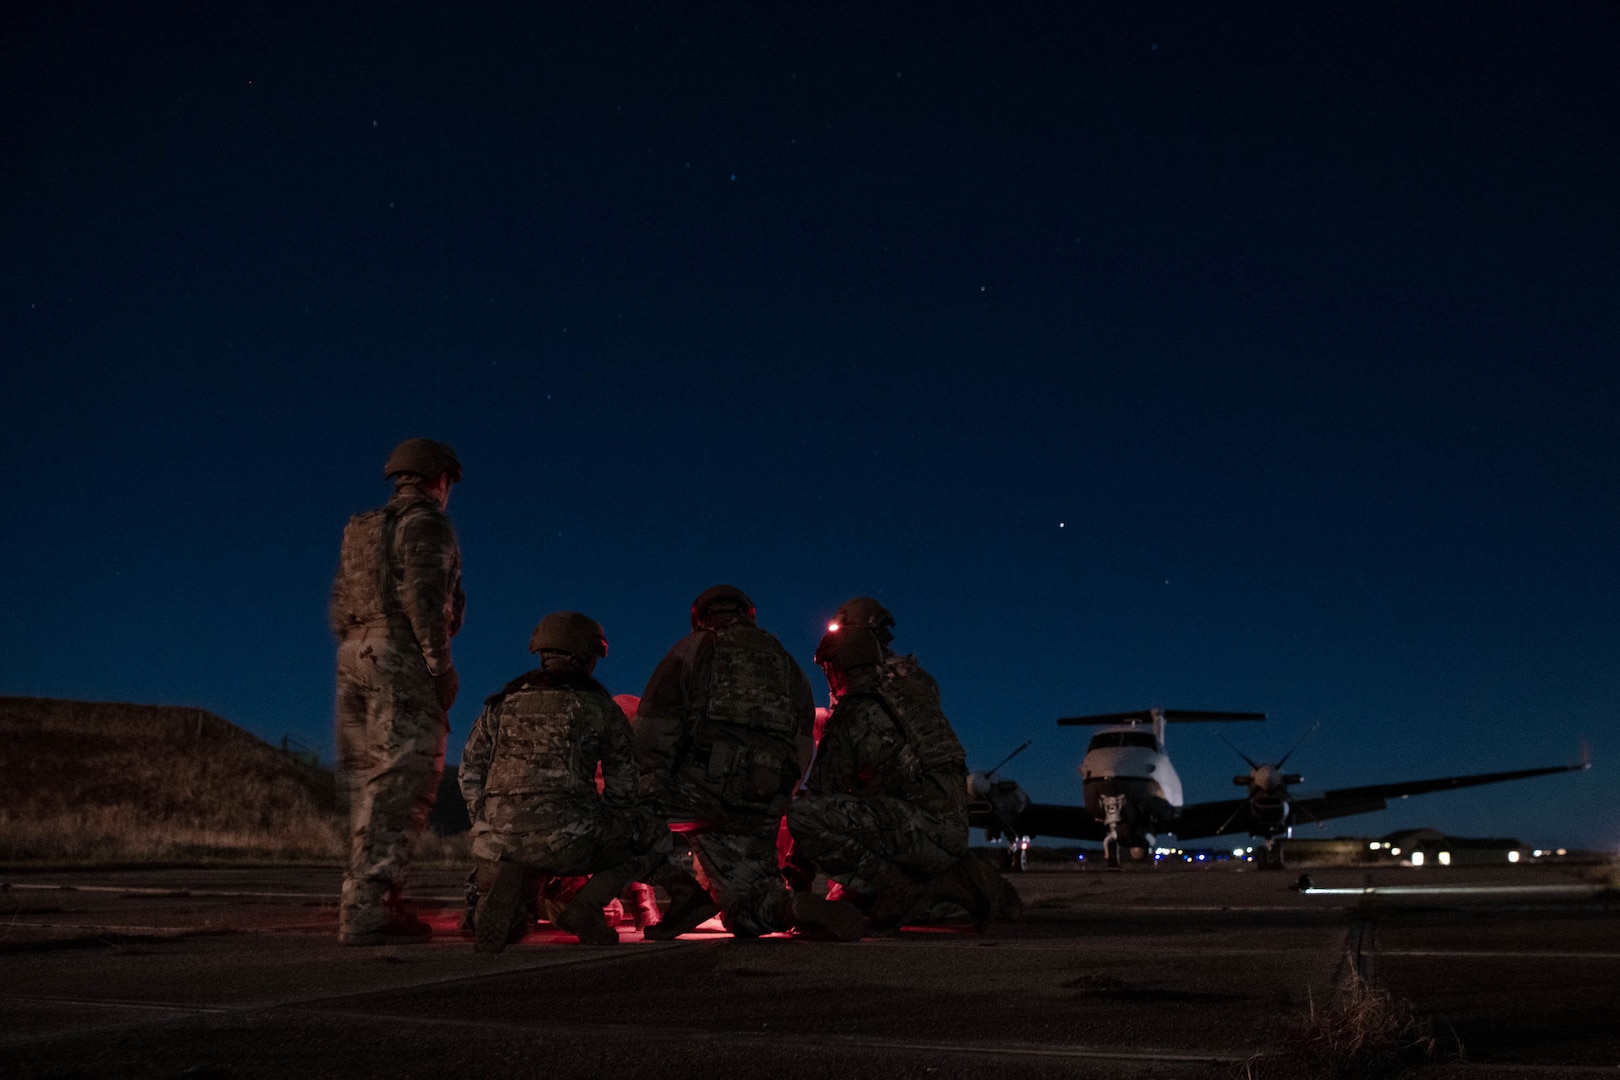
(435, 850)
(95, 782)
(1365, 1033)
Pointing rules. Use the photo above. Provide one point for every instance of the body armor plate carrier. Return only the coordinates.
(536, 738)
(911, 698)
(364, 595)
(743, 742)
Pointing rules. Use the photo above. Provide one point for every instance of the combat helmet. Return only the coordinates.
(719, 599)
(847, 648)
(426, 458)
(867, 613)
(580, 636)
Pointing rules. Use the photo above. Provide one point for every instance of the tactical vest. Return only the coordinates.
(911, 698)
(743, 743)
(539, 725)
(364, 594)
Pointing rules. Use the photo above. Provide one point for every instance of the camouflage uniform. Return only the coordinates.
(723, 736)
(396, 603)
(886, 801)
(529, 777)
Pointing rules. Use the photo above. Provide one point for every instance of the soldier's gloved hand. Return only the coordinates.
(446, 686)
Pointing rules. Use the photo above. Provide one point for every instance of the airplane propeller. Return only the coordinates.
(997, 767)
(1267, 783)
(1002, 802)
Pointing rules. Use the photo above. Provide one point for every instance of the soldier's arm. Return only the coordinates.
(837, 758)
(475, 760)
(804, 711)
(619, 772)
(458, 599)
(666, 706)
(430, 566)
(336, 616)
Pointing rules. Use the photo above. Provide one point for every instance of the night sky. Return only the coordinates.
(1194, 355)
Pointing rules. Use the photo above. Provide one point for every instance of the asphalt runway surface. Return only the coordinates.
(226, 973)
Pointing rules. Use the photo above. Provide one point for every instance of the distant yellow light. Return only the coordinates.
(1373, 846)
(1513, 856)
(1394, 851)
(1445, 858)
(1563, 851)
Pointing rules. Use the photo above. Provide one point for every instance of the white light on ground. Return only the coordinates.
(1513, 856)
(1445, 858)
(1417, 858)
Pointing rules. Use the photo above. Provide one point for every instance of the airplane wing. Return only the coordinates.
(1401, 789)
(1232, 816)
(1228, 816)
(1069, 822)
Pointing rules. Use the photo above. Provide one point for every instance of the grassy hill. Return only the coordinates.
(107, 781)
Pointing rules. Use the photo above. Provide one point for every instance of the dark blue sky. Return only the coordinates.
(1206, 356)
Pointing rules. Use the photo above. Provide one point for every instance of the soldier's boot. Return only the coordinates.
(371, 914)
(1005, 902)
(1009, 905)
(814, 917)
(500, 894)
(689, 907)
(642, 903)
(470, 910)
(583, 916)
(985, 892)
(895, 899)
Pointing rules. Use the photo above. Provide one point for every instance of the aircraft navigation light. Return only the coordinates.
(1513, 856)
(1417, 858)
(832, 628)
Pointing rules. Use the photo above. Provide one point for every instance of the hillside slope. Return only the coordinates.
(95, 780)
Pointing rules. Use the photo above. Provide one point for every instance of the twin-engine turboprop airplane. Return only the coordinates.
(1131, 793)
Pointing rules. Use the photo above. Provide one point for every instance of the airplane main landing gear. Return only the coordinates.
(1016, 857)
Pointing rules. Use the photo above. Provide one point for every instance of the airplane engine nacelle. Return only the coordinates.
(1268, 809)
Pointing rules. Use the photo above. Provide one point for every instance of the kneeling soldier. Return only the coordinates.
(884, 808)
(529, 777)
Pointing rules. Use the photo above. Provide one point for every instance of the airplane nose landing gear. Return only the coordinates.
(1113, 808)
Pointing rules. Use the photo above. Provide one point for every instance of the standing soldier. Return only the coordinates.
(723, 735)
(396, 604)
(884, 811)
(529, 775)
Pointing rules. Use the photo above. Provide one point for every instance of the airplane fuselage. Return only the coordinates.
(1127, 779)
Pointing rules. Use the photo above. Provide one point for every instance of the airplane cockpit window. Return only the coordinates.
(1123, 738)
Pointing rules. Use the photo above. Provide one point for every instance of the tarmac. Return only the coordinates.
(1196, 972)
